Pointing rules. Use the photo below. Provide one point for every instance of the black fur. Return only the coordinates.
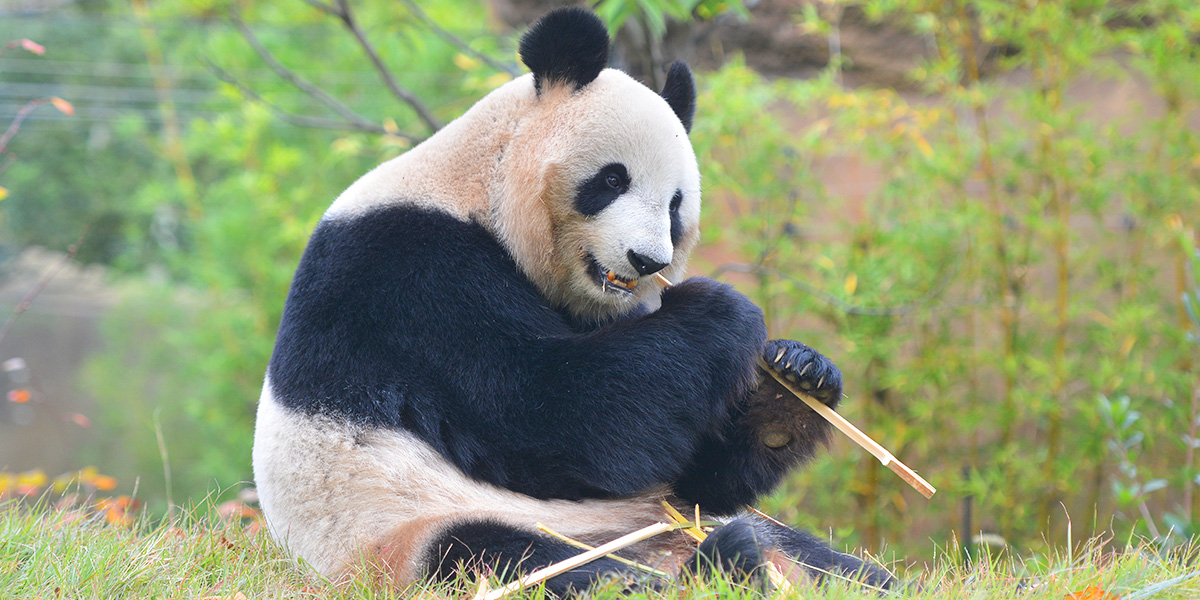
(737, 463)
(568, 45)
(680, 93)
(817, 557)
(406, 318)
(735, 549)
(676, 221)
(598, 191)
(510, 553)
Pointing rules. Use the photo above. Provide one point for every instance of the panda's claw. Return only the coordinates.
(812, 373)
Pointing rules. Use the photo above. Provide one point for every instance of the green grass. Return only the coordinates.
(48, 554)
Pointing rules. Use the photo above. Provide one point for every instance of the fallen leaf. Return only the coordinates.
(1092, 593)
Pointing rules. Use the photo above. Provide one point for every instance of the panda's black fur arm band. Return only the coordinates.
(409, 319)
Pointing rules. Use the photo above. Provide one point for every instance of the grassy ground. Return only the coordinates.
(68, 555)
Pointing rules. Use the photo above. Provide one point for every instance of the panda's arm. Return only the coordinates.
(624, 408)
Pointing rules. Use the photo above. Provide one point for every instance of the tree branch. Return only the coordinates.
(345, 112)
(16, 122)
(456, 41)
(301, 120)
(343, 12)
(27, 301)
(325, 8)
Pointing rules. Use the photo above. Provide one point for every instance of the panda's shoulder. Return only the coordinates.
(406, 251)
(392, 293)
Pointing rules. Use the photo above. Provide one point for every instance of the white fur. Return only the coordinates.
(453, 172)
(330, 489)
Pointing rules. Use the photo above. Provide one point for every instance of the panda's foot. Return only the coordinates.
(816, 557)
(735, 550)
(806, 368)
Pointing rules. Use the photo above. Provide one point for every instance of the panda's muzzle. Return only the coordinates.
(607, 279)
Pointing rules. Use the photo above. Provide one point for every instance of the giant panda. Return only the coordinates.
(473, 343)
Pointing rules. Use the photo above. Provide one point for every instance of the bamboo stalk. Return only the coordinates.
(846, 427)
(557, 568)
(583, 546)
(858, 436)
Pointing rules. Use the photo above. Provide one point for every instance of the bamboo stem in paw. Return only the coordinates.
(846, 427)
(860, 438)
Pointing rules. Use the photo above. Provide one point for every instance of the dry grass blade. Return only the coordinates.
(692, 530)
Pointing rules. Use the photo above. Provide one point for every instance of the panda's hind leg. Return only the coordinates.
(736, 549)
(494, 547)
(817, 558)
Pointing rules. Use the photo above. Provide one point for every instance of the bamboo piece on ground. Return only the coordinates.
(583, 546)
(847, 428)
(545, 573)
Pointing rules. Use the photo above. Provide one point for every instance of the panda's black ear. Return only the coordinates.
(680, 93)
(568, 45)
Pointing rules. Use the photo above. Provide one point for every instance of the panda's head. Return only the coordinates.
(609, 177)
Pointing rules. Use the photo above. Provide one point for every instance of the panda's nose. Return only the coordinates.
(643, 264)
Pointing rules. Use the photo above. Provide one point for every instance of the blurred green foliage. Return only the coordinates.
(1020, 261)
(1004, 289)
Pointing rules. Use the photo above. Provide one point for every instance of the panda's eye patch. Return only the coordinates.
(616, 177)
(598, 191)
(676, 200)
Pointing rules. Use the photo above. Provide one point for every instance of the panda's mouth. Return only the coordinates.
(607, 279)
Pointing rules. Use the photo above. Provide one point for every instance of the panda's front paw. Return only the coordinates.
(805, 368)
